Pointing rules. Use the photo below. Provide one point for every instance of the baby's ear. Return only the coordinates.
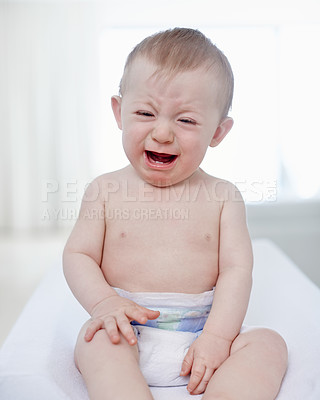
(116, 108)
(221, 132)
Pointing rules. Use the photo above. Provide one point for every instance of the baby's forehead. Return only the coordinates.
(192, 90)
(150, 72)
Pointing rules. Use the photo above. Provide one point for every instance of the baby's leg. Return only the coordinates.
(110, 371)
(254, 370)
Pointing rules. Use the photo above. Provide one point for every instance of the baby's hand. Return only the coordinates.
(114, 314)
(204, 356)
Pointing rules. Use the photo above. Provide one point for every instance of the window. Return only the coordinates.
(270, 152)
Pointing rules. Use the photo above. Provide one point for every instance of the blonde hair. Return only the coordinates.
(183, 49)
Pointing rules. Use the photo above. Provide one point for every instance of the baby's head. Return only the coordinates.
(175, 95)
(183, 49)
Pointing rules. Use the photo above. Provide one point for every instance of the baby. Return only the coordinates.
(160, 256)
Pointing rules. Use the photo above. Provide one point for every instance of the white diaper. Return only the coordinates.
(163, 343)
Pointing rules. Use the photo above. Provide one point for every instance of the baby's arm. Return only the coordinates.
(82, 258)
(231, 296)
(234, 282)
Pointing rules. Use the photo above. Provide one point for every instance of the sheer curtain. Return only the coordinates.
(49, 97)
(62, 60)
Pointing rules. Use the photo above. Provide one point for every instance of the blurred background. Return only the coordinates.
(62, 60)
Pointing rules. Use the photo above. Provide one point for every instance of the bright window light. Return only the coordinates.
(273, 130)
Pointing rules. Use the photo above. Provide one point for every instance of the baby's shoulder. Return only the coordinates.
(109, 182)
(222, 189)
(114, 177)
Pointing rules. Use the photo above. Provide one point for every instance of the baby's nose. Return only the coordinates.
(162, 134)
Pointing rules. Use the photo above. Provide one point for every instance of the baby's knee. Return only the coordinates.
(272, 343)
(80, 343)
(85, 349)
(274, 340)
(100, 348)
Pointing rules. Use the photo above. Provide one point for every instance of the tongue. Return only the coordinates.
(161, 157)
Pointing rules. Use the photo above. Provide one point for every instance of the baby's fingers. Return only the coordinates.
(204, 381)
(187, 363)
(127, 331)
(142, 314)
(111, 328)
(152, 314)
(197, 373)
(94, 327)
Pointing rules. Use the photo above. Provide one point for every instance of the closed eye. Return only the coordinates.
(144, 113)
(188, 121)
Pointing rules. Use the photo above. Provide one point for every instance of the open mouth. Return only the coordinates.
(160, 159)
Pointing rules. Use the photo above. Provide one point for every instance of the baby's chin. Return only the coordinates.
(165, 182)
(160, 178)
(160, 183)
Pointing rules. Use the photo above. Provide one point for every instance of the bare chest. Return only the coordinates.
(161, 246)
